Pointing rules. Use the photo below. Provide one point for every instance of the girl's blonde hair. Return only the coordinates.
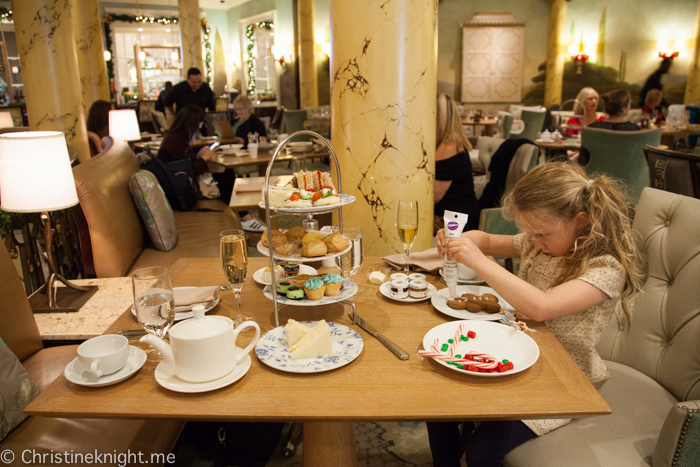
(449, 124)
(652, 96)
(562, 190)
(582, 96)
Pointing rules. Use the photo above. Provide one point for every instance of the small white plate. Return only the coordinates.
(297, 258)
(500, 341)
(272, 350)
(76, 372)
(348, 289)
(385, 289)
(180, 315)
(303, 269)
(300, 146)
(344, 200)
(266, 146)
(477, 281)
(165, 376)
(440, 299)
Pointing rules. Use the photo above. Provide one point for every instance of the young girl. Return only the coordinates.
(577, 254)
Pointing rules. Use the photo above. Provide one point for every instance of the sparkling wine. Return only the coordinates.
(156, 312)
(407, 233)
(234, 258)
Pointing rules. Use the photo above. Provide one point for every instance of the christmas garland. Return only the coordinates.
(6, 14)
(250, 44)
(206, 30)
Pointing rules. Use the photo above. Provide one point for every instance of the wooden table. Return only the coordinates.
(376, 386)
(194, 143)
(487, 122)
(263, 158)
(668, 134)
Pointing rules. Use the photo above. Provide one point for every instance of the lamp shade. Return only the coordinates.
(123, 125)
(35, 172)
(6, 120)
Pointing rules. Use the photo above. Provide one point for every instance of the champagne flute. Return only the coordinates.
(407, 224)
(234, 262)
(350, 262)
(153, 300)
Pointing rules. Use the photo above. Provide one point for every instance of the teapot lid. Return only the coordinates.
(200, 326)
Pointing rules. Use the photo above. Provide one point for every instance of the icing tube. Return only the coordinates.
(454, 225)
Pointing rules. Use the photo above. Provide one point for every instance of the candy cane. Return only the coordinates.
(491, 363)
(455, 340)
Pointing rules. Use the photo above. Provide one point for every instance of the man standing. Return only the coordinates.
(654, 81)
(190, 91)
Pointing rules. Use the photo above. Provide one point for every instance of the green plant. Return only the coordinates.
(6, 219)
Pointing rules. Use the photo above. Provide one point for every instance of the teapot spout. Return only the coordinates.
(161, 346)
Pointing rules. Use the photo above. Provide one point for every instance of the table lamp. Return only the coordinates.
(6, 120)
(36, 176)
(124, 125)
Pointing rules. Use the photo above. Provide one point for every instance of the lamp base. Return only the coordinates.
(67, 299)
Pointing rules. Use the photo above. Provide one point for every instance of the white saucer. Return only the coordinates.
(76, 373)
(477, 281)
(165, 376)
(385, 289)
(303, 269)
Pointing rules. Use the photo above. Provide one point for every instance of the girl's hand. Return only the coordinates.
(464, 250)
(440, 241)
(207, 153)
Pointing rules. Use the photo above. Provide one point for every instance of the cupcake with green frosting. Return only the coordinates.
(333, 283)
(314, 288)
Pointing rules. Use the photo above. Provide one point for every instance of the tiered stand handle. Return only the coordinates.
(268, 216)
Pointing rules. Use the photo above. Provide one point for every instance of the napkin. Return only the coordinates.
(186, 298)
(428, 260)
(318, 145)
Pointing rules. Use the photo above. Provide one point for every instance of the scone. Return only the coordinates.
(335, 242)
(275, 234)
(295, 234)
(314, 248)
(286, 249)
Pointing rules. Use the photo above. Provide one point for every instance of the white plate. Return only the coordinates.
(500, 341)
(300, 146)
(180, 315)
(348, 289)
(477, 281)
(272, 350)
(344, 200)
(297, 258)
(165, 376)
(76, 372)
(440, 299)
(303, 269)
(266, 146)
(385, 289)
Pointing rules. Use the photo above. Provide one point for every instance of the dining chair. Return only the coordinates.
(620, 154)
(505, 124)
(491, 221)
(533, 121)
(674, 171)
(294, 121)
(160, 123)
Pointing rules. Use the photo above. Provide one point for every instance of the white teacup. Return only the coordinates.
(465, 273)
(104, 355)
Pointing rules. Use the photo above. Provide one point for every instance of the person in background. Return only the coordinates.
(160, 103)
(98, 125)
(578, 256)
(454, 182)
(652, 107)
(191, 91)
(654, 81)
(247, 121)
(586, 106)
(617, 106)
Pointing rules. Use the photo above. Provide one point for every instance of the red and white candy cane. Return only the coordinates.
(488, 362)
(455, 340)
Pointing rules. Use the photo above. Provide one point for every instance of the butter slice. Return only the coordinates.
(376, 277)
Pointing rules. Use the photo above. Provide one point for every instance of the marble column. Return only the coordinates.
(308, 83)
(89, 46)
(692, 88)
(190, 35)
(46, 45)
(383, 97)
(556, 50)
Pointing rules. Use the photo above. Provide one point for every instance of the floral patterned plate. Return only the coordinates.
(348, 289)
(272, 350)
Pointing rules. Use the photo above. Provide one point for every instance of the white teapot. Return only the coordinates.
(545, 136)
(203, 348)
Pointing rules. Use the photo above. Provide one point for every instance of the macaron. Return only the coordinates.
(282, 287)
(295, 293)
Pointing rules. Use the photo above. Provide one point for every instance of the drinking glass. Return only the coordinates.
(407, 224)
(153, 300)
(298, 163)
(234, 262)
(272, 135)
(350, 262)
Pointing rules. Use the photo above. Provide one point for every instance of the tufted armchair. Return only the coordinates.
(486, 146)
(654, 385)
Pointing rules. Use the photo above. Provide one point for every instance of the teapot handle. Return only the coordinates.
(246, 351)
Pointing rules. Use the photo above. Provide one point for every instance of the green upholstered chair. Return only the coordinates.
(505, 124)
(677, 172)
(294, 121)
(533, 121)
(620, 154)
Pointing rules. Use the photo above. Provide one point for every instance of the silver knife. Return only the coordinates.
(132, 333)
(398, 351)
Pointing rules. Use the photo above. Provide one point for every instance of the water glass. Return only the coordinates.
(298, 163)
(153, 300)
(350, 262)
(272, 135)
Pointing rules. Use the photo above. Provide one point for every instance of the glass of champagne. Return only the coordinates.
(153, 300)
(407, 224)
(350, 262)
(234, 262)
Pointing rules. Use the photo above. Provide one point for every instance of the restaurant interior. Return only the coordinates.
(344, 186)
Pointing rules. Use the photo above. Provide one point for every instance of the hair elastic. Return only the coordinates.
(589, 184)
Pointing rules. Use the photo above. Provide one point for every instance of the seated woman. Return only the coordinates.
(652, 107)
(98, 124)
(617, 106)
(176, 146)
(454, 182)
(247, 121)
(586, 106)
